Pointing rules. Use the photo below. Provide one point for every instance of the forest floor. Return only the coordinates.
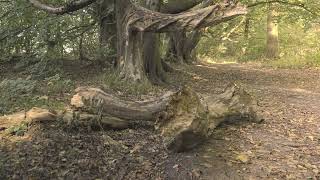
(285, 146)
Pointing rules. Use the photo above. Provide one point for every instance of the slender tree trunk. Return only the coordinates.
(59, 42)
(81, 53)
(246, 28)
(246, 34)
(50, 44)
(272, 49)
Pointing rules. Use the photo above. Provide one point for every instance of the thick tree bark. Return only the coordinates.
(151, 50)
(132, 19)
(181, 46)
(96, 100)
(107, 31)
(130, 45)
(152, 59)
(183, 117)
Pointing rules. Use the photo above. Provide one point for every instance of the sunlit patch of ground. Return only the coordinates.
(210, 60)
(286, 145)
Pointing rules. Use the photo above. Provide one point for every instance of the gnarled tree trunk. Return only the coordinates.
(151, 48)
(181, 46)
(131, 20)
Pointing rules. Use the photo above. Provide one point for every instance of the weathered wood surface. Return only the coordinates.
(184, 117)
(95, 100)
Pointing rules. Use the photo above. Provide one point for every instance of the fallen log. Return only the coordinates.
(93, 121)
(183, 117)
(70, 117)
(95, 100)
(17, 123)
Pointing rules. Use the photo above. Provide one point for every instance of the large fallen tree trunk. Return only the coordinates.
(183, 117)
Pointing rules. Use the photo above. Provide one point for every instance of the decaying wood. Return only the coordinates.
(95, 121)
(18, 122)
(70, 117)
(184, 117)
(192, 118)
(94, 99)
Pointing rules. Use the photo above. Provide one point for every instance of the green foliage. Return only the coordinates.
(298, 37)
(293, 62)
(26, 31)
(17, 87)
(18, 130)
(20, 94)
(57, 85)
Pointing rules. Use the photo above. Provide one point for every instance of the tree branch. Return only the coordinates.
(69, 7)
(141, 19)
(296, 4)
(178, 6)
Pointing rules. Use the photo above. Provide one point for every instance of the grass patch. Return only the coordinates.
(24, 103)
(294, 62)
(112, 81)
(20, 94)
(2, 162)
(57, 85)
(18, 130)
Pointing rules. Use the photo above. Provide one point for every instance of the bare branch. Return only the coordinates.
(69, 7)
(296, 4)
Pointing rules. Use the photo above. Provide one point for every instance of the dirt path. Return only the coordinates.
(285, 146)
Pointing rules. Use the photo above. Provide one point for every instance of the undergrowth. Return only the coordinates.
(295, 62)
(22, 94)
(112, 81)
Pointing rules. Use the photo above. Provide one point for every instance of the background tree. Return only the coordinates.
(272, 48)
